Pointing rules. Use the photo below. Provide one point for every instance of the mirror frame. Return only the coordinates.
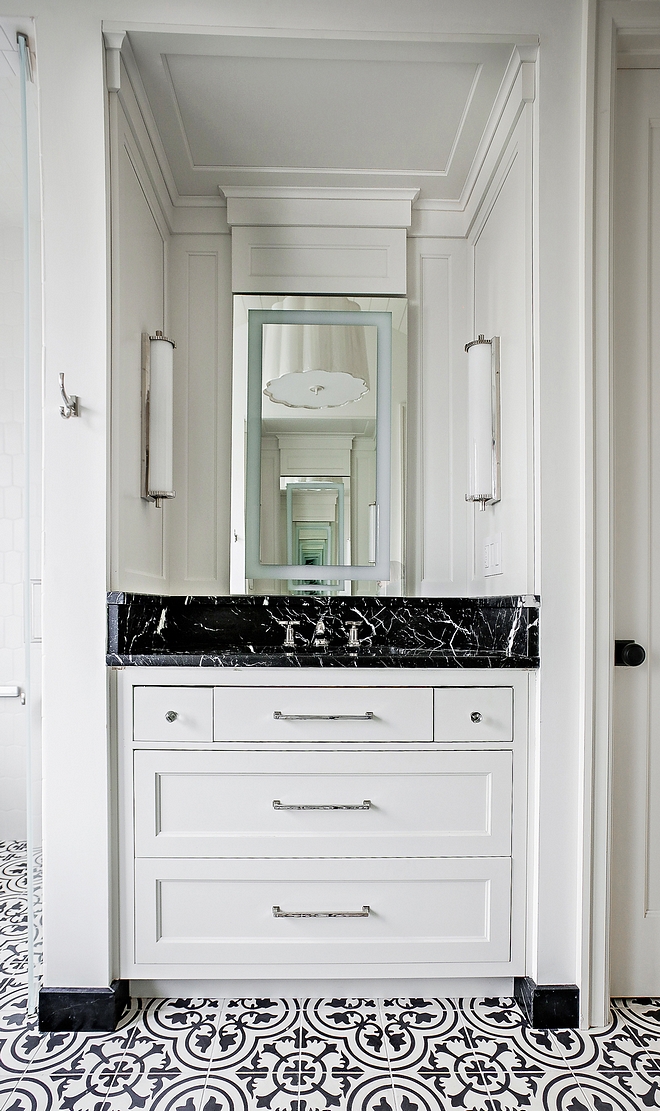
(382, 321)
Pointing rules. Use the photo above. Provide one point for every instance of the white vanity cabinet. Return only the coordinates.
(307, 824)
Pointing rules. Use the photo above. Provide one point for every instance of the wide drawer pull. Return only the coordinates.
(366, 805)
(279, 913)
(278, 716)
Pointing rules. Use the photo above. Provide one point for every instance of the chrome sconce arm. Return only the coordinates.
(157, 417)
(484, 421)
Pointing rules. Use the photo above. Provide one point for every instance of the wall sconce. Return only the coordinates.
(484, 420)
(157, 416)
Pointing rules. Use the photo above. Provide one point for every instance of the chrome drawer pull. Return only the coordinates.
(171, 716)
(279, 913)
(278, 716)
(366, 805)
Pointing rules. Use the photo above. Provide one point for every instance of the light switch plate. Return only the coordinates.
(493, 554)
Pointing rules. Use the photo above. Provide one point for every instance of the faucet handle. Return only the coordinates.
(353, 639)
(289, 639)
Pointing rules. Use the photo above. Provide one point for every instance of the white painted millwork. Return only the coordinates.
(635, 913)
(319, 260)
(421, 912)
(173, 714)
(321, 816)
(224, 804)
(473, 714)
(398, 714)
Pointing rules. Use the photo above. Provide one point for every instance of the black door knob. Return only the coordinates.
(628, 654)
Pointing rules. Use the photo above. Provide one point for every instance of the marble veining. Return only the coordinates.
(248, 631)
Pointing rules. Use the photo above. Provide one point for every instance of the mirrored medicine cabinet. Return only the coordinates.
(318, 445)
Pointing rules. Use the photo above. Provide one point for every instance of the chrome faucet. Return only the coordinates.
(289, 639)
(319, 640)
(353, 639)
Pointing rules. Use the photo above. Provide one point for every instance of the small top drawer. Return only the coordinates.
(173, 713)
(473, 714)
(324, 714)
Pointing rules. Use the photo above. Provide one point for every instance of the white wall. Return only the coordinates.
(76, 316)
(12, 487)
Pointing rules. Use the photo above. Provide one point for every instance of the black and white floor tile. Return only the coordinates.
(313, 1054)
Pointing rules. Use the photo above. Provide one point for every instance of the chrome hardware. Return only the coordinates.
(353, 639)
(289, 639)
(171, 715)
(69, 406)
(279, 913)
(13, 692)
(475, 716)
(319, 640)
(366, 805)
(278, 716)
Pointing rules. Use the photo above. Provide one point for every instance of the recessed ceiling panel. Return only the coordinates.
(320, 113)
(248, 111)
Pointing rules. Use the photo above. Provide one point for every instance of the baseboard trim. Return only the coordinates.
(94, 1010)
(548, 1006)
(380, 987)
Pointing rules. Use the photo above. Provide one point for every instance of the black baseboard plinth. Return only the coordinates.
(86, 1009)
(550, 1006)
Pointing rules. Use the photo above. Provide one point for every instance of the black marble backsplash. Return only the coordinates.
(242, 630)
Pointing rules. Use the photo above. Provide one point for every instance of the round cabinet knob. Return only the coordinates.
(475, 716)
(171, 715)
(627, 653)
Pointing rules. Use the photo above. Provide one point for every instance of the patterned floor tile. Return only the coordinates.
(489, 1015)
(628, 1092)
(412, 1025)
(27, 1094)
(189, 1026)
(358, 1023)
(246, 1023)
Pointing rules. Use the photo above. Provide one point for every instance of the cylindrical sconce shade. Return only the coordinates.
(160, 432)
(483, 421)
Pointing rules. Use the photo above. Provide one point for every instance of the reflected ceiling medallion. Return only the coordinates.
(315, 366)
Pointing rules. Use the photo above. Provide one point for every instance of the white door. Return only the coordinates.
(635, 920)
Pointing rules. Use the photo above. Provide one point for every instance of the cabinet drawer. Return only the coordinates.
(219, 912)
(473, 714)
(193, 707)
(324, 714)
(220, 804)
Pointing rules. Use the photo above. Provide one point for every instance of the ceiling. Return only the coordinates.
(298, 112)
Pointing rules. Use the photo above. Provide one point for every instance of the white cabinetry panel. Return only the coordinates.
(399, 714)
(221, 804)
(473, 714)
(192, 708)
(319, 260)
(202, 911)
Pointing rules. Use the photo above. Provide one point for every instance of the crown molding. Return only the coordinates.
(257, 206)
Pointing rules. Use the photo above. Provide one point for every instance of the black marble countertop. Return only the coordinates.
(146, 630)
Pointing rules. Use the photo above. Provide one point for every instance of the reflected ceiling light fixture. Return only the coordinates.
(484, 420)
(157, 417)
(315, 366)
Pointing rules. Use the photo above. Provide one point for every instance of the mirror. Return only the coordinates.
(317, 454)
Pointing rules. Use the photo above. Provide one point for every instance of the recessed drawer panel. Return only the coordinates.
(173, 713)
(473, 714)
(324, 714)
(322, 912)
(222, 804)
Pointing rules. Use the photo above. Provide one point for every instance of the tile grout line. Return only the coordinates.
(105, 1104)
(22, 1075)
(381, 1013)
(222, 1007)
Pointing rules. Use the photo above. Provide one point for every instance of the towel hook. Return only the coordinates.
(69, 406)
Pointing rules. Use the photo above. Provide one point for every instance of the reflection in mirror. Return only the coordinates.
(319, 391)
